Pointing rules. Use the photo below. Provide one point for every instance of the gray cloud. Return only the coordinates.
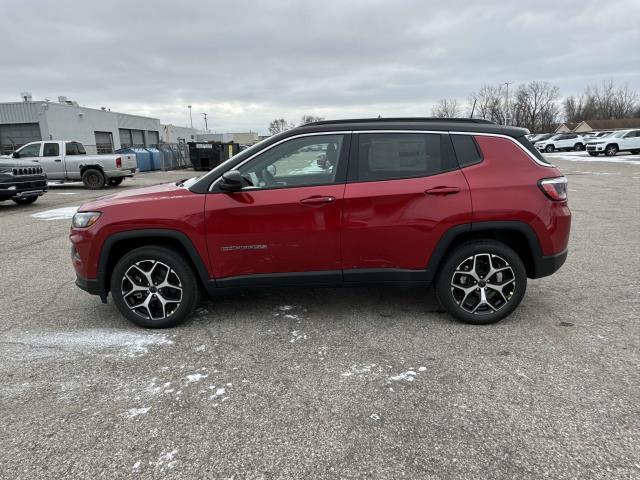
(245, 63)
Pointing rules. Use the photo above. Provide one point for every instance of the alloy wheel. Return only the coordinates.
(151, 289)
(483, 283)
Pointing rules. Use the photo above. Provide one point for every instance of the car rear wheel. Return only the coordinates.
(481, 282)
(549, 148)
(93, 179)
(25, 200)
(154, 287)
(611, 150)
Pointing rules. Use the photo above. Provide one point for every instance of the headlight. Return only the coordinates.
(85, 219)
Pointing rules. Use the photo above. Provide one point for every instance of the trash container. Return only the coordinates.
(154, 153)
(208, 155)
(143, 158)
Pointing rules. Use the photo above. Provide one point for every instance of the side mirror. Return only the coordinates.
(272, 169)
(231, 181)
(15, 155)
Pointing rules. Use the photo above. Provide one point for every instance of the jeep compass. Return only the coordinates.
(467, 206)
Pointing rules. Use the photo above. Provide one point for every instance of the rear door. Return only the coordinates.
(285, 225)
(405, 190)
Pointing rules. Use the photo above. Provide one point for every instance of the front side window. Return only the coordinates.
(29, 151)
(305, 161)
(388, 156)
(50, 150)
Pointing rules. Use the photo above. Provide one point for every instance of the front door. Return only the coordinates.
(285, 225)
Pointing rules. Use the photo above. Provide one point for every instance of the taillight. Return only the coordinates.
(554, 188)
(118, 162)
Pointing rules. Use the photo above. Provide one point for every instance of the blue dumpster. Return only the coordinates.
(156, 160)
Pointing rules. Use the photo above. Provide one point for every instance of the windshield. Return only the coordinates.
(618, 134)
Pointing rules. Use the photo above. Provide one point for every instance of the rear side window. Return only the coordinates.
(467, 150)
(50, 150)
(74, 148)
(527, 144)
(388, 156)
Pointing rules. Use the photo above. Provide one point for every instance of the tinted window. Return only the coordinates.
(527, 144)
(30, 151)
(466, 149)
(74, 148)
(51, 150)
(306, 161)
(385, 156)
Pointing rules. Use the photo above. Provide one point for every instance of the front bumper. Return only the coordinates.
(92, 286)
(595, 148)
(21, 187)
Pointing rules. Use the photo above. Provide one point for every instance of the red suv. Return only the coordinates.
(467, 205)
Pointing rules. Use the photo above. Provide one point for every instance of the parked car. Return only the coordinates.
(468, 205)
(619, 141)
(595, 135)
(21, 182)
(561, 141)
(67, 161)
(540, 137)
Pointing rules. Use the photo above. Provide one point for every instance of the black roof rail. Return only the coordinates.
(403, 119)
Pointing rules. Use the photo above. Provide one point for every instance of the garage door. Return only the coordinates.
(104, 142)
(17, 134)
(153, 138)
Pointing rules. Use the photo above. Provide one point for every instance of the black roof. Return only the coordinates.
(416, 123)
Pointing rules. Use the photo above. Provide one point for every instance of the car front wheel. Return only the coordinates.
(549, 148)
(611, 150)
(154, 287)
(481, 282)
(25, 200)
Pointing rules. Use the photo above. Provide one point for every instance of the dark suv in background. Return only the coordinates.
(465, 204)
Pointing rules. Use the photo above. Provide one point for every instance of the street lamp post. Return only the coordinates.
(506, 103)
(190, 117)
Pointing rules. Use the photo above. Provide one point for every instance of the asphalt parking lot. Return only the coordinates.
(327, 383)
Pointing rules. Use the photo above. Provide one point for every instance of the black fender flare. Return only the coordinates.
(450, 236)
(183, 239)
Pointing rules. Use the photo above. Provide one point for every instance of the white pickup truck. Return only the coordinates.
(67, 161)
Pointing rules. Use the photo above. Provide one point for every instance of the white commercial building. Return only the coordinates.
(100, 130)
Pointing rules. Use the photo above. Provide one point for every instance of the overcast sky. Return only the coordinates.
(245, 63)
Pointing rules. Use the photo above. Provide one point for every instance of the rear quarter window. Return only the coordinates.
(527, 144)
(466, 149)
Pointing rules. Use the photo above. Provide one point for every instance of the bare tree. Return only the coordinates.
(447, 108)
(310, 119)
(601, 102)
(535, 106)
(279, 125)
(489, 103)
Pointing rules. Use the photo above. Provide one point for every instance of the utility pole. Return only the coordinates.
(506, 104)
(190, 117)
(206, 127)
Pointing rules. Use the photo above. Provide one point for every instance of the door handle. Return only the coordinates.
(58, 160)
(317, 200)
(442, 190)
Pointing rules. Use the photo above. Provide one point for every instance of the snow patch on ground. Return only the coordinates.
(583, 157)
(134, 412)
(408, 376)
(297, 336)
(64, 213)
(362, 370)
(166, 461)
(196, 377)
(133, 344)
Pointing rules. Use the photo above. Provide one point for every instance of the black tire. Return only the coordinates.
(93, 179)
(611, 150)
(549, 148)
(513, 283)
(25, 200)
(578, 147)
(635, 152)
(594, 154)
(173, 312)
(114, 182)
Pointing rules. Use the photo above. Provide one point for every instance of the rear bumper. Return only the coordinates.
(547, 265)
